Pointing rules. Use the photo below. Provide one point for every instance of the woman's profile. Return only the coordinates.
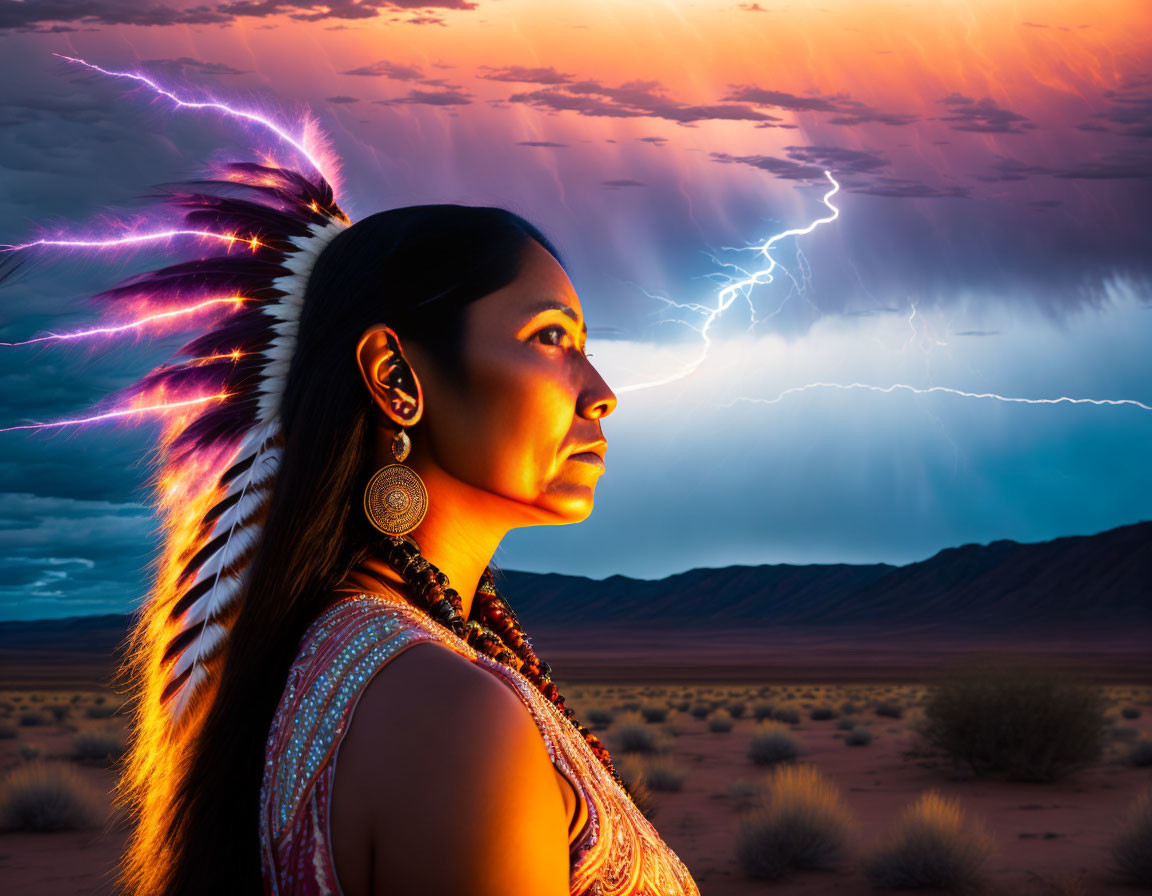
(329, 693)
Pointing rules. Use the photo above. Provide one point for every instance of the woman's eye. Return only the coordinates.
(552, 335)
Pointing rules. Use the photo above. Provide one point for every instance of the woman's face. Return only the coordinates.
(522, 420)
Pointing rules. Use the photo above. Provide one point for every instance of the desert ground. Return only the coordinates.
(1047, 839)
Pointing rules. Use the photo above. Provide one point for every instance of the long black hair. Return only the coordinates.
(414, 269)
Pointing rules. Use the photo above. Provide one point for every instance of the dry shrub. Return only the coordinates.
(33, 717)
(889, 709)
(736, 709)
(789, 715)
(1132, 848)
(102, 745)
(773, 742)
(858, 737)
(47, 796)
(931, 845)
(599, 717)
(1140, 754)
(1025, 720)
(801, 824)
(744, 793)
(663, 775)
(632, 735)
(822, 713)
(762, 711)
(7, 731)
(654, 713)
(720, 722)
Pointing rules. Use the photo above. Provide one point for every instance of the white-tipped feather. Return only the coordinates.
(238, 541)
(222, 596)
(183, 696)
(253, 486)
(211, 636)
(241, 536)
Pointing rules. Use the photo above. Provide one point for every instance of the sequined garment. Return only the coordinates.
(613, 849)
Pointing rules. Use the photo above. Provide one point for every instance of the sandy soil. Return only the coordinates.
(1051, 839)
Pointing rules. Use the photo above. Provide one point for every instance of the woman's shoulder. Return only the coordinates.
(438, 744)
(340, 651)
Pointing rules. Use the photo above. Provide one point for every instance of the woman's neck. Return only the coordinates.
(458, 536)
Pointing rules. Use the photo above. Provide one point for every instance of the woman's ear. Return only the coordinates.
(390, 379)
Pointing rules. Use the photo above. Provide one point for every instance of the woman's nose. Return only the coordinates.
(597, 400)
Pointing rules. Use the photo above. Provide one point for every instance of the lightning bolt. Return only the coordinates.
(252, 242)
(122, 412)
(743, 286)
(737, 287)
(296, 143)
(234, 301)
(926, 390)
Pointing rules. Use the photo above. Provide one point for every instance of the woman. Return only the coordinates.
(375, 406)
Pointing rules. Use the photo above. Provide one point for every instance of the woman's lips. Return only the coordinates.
(588, 457)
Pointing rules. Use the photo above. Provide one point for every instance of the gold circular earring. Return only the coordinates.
(396, 500)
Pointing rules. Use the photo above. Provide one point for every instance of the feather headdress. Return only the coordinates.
(220, 449)
(222, 462)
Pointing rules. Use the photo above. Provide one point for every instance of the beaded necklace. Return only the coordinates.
(494, 629)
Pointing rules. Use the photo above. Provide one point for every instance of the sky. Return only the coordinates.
(992, 241)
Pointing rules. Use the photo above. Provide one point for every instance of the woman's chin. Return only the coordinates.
(568, 502)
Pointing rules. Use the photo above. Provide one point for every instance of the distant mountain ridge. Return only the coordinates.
(1098, 581)
(1091, 579)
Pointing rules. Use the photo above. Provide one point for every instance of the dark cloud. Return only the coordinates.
(655, 141)
(425, 20)
(984, 116)
(848, 160)
(1131, 165)
(430, 98)
(341, 100)
(62, 556)
(858, 171)
(547, 75)
(29, 16)
(844, 109)
(623, 182)
(1129, 114)
(751, 7)
(542, 144)
(1007, 169)
(808, 163)
(392, 70)
(904, 188)
(1123, 165)
(633, 99)
(788, 169)
(187, 63)
(51, 14)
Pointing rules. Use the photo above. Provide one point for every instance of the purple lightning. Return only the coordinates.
(295, 143)
(122, 412)
(235, 301)
(251, 242)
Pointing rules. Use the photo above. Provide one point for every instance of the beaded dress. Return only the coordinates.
(613, 849)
